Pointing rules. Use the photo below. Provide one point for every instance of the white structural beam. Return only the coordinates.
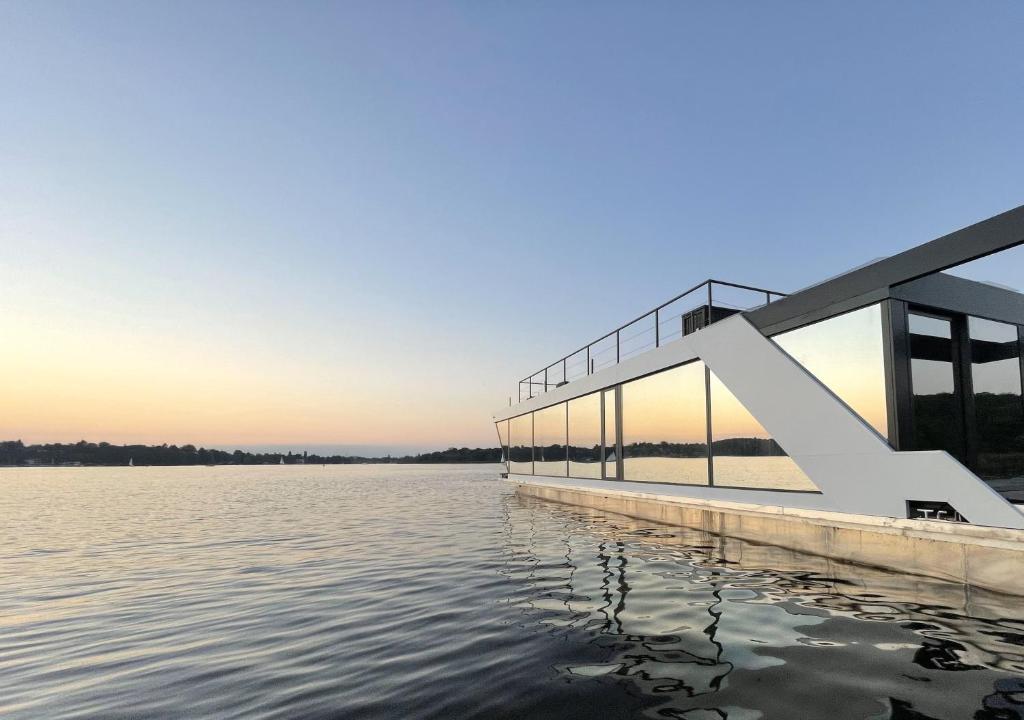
(668, 355)
(855, 469)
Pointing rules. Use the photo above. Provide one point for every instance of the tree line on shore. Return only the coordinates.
(15, 452)
(741, 446)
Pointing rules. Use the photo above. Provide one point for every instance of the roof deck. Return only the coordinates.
(701, 305)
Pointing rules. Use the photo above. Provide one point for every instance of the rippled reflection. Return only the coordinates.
(435, 592)
(702, 626)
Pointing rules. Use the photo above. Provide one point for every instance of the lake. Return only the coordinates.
(398, 591)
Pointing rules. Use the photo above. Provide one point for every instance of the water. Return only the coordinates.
(435, 592)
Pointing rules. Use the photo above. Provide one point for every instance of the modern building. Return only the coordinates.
(892, 390)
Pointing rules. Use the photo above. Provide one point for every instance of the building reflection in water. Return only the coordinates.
(704, 627)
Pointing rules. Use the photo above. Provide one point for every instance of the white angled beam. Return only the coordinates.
(855, 469)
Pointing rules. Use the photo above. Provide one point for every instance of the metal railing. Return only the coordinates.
(651, 330)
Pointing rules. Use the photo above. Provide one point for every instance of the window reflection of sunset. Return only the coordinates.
(729, 419)
(749, 467)
(585, 421)
(549, 435)
(549, 426)
(845, 354)
(585, 436)
(521, 444)
(668, 406)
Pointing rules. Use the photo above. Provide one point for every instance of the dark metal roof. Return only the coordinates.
(873, 281)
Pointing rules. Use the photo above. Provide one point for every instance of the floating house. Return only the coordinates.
(888, 396)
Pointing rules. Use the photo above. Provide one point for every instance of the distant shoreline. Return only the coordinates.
(14, 453)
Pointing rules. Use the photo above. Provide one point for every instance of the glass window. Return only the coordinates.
(521, 445)
(664, 427)
(585, 436)
(937, 412)
(611, 465)
(745, 455)
(995, 372)
(549, 440)
(845, 354)
(503, 439)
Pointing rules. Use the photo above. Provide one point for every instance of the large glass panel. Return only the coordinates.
(664, 427)
(995, 372)
(937, 424)
(549, 456)
(585, 436)
(521, 445)
(845, 354)
(611, 467)
(503, 439)
(745, 455)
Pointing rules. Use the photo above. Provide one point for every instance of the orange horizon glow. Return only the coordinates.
(62, 384)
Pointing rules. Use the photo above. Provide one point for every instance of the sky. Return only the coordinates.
(358, 224)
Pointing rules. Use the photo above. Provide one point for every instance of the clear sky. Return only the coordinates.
(360, 223)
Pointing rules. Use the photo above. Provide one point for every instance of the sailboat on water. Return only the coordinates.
(131, 462)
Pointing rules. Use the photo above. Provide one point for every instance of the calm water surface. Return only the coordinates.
(435, 592)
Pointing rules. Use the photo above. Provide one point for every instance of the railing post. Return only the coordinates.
(710, 434)
(768, 298)
(617, 352)
(590, 366)
(546, 379)
(657, 327)
(707, 320)
(565, 371)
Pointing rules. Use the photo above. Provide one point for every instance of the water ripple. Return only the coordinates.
(435, 592)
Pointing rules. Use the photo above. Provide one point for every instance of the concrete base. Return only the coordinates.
(982, 557)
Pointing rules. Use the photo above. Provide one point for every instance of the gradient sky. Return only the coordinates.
(360, 223)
